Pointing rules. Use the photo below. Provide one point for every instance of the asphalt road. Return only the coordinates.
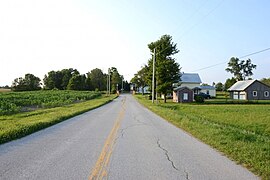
(121, 140)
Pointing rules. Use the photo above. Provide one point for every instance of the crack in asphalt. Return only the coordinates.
(169, 159)
(166, 154)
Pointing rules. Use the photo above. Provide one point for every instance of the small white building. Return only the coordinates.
(208, 90)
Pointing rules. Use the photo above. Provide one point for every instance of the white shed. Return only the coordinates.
(211, 90)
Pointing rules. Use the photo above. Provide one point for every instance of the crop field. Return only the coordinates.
(241, 131)
(22, 113)
(15, 102)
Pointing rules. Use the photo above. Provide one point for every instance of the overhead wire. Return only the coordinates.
(247, 55)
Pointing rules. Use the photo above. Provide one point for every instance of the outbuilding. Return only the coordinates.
(250, 90)
(183, 95)
(210, 90)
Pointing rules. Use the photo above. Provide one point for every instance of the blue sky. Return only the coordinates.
(39, 36)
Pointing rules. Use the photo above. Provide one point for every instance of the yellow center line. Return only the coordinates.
(100, 169)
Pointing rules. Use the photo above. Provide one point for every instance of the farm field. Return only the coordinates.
(32, 111)
(15, 102)
(241, 131)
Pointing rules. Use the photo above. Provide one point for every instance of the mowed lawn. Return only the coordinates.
(241, 131)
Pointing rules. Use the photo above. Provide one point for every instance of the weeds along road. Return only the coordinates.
(121, 140)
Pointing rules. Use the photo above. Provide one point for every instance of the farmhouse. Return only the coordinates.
(190, 80)
(250, 90)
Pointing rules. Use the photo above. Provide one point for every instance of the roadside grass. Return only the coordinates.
(18, 125)
(240, 131)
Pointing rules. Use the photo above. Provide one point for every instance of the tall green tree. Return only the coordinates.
(97, 79)
(77, 82)
(116, 79)
(140, 78)
(29, 83)
(241, 69)
(167, 69)
(59, 79)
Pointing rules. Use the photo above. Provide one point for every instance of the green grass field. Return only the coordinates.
(17, 125)
(241, 131)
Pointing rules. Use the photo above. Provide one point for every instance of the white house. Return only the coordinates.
(193, 81)
(190, 80)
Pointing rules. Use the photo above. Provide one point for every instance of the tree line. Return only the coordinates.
(71, 79)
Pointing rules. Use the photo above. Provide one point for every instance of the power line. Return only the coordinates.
(257, 52)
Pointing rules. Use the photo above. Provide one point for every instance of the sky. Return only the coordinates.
(39, 36)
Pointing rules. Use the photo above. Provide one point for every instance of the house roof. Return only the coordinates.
(190, 78)
(207, 87)
(241, 85)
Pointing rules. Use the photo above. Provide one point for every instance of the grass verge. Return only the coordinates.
(242, 132)
(22, 124)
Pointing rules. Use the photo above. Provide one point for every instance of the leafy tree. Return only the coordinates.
(116, 79)
(266, 81)
(241, 69)
(77, 82)
(97, 79)
(219, 86)
(167, 69)
(67, 75)
(28, 83)
(229, 82)
(140, 78)
(59, 79)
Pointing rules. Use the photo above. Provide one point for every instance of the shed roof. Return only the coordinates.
(241, 85)
(181, 88)
(190, 78)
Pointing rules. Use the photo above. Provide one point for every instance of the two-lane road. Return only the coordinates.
(121, 140)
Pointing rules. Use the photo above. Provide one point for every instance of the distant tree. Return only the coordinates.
(140, 78)
(28, 83)
(77, 82)
(67, 75)
(167, 69)
(241, 69)
(266, 81)
(219, 86)
(97, 79)
(229, 82)
(205, 84)
(59, 79)
(116, 79)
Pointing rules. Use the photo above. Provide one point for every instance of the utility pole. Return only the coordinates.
(122, 84)
(109, 82)
(153, 77)
(107, 91)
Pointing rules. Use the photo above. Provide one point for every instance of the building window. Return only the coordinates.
(185, 96)
(255, 93)
(266, 93)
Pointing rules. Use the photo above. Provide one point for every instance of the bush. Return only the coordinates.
(199, 99)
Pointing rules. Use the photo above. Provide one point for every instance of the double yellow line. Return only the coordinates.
(100, 169)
